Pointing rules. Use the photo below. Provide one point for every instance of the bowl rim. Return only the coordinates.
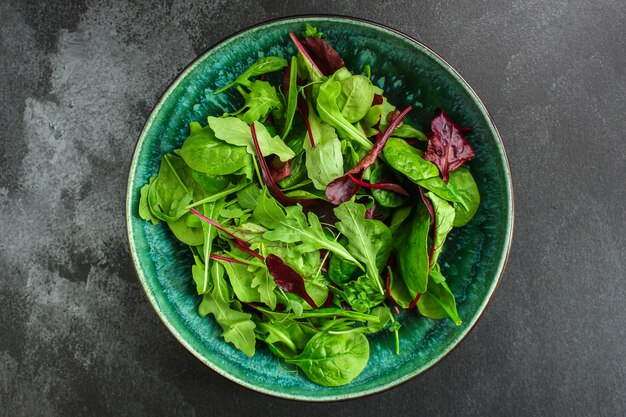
(332, 397)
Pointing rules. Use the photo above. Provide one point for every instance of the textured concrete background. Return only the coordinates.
(77, 336)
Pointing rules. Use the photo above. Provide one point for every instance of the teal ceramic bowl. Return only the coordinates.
(410, 74)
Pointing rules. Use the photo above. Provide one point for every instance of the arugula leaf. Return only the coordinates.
(330, 113)
(411, 249)
(333, 359)
(203, 152)
(236, 132)
(324, 162)
(370, 240)
(237, 326)
(444, 219)
(262, 66)
(291, 226)
(240, 279)
(311, 31)
(438, 302)
(261, 99)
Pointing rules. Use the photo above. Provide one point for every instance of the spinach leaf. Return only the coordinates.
(330, 113)
(355, 99)
(333, 359)
(192, 236)
(407, 131)
(236, 132)
(341, 271)
(144, 207)
(468, 193)
(324, 162)
(262, 66)
(411, 248)
(438, 186)
(408, 160)
(203, 152)
(399, 292)
(249, 196)
(288, 337)
(237, 326)
(291, 226)
(167, 195)
(438, 302)
(261, 99)
(370, 240)
(444, 218)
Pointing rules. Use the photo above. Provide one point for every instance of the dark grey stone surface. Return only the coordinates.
(77, 81)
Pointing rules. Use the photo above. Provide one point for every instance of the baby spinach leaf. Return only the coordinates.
(448, 149)
(249, 196)
(444, 218)
(287, 336)
(355, 99)
(408, 160)
(330, 113)
(411, 249)
(438, 186)
(333, 359)
(167, 195)
(203, 152)
(341, 271)
(370, 240)
(237, 326)
(262, 66)
(438, 302)
(407, 131)
(468, 193)
(398, 290)
(192, 236)
(324, 162)
(236, 132)
(144, 207)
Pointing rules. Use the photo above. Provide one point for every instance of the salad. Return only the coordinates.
(315, 214)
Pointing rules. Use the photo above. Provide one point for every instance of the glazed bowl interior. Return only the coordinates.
(474, 256)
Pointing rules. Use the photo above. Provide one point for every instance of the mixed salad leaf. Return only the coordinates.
(315, 214)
